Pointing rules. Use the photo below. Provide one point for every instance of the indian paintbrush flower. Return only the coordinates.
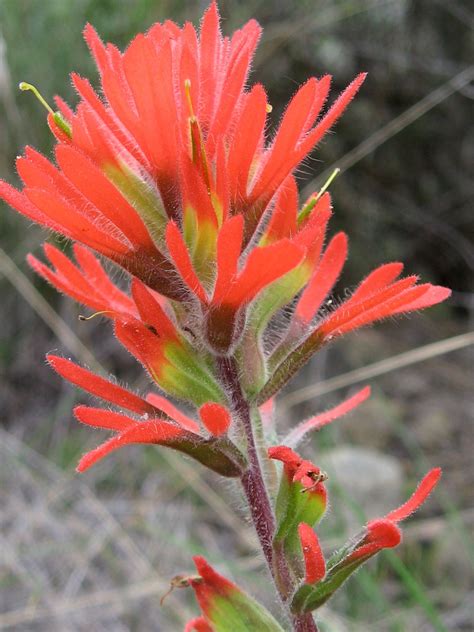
(168, 172)
(323, 579)
(224, 605)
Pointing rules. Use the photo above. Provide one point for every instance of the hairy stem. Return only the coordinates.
(257, 496)
(304, 623)
(252, 479)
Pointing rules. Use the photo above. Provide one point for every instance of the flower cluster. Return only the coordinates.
(317, 579)
(170, 174)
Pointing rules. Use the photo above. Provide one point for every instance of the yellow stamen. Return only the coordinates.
(28, 86)
(307, 208)
(269, 108)
(328, 183)
(84, 318)
(187, 91)
(198, 151)
(57, 116)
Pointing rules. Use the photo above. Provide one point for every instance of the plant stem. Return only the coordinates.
(252, 479)
(257, 496)
(304, 623)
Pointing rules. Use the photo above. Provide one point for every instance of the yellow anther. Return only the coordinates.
(316, 478)
(28, 86)
(181, 581)
(57, 116)
(269, 108)
(198, 151)
(187, 91)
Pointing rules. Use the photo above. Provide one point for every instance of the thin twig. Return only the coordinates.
(376, 369)
(394, 126)
(60, 328)
(101, 598)
(282, 32)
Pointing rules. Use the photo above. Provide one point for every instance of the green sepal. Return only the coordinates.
(295, 504)
(218, 454)
(241, 614)
(62, 124)
(287, 369)
(311, 597)
(188, 377)
(200, 238)
(252, 363)
(251, 355)
(225, 607)
(146, 201)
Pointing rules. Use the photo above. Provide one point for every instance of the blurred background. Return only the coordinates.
(97, 552)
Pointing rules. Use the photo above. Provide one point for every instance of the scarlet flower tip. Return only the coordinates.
(198, 625)
(215, 417)
(211, 578)
(182, 260)
(298, 470)
(383, 533)
(34, 263)
(87, 461)
(424, 489)
(55, 361)
(318, 421)
(201, 564)
(314, 561)
(284, 453)
(436, 294)
(323, 280)
(102, 418)
(91, 37)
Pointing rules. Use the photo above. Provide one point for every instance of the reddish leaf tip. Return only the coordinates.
(424, 489)
(284, 453)
(314, 561)
(215, 417)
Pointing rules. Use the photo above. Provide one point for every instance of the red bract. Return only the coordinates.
(302, 496)
(186, 143)
(143, 323)
(181, 434)
(297, 469)
(233, 289)
(376, 299)
(198, 625)
(160, 422)
(224, 605)
(318, 421)
(86, 282)
(384, 532)
(379, 296)
(323, 579)
(106, 390)
(315, 564)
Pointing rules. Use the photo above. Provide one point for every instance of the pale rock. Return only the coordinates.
(369, 482)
